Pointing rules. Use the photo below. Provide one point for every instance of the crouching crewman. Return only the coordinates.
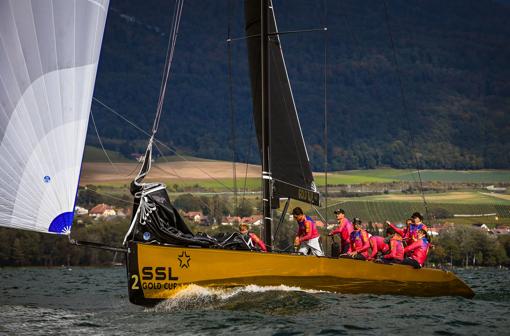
(251, 239)
(307, 239)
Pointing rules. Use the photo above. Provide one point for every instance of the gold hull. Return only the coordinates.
(157, 272)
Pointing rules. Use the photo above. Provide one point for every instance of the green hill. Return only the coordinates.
(454, 64)
(94, 154)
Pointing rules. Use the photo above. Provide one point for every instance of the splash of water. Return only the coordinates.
(197, 297)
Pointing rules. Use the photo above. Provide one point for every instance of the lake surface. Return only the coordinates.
(93, 301)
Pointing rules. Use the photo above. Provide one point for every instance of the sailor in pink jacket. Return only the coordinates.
(344, 229)
(307, 238)
(418, 251)
(378, 245)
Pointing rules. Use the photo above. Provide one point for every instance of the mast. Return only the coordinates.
(266, 168)
(286, 169)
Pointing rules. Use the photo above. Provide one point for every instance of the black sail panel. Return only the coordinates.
(289, 162)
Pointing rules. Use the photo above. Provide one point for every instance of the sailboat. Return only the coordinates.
(44, 109)
(164, 256)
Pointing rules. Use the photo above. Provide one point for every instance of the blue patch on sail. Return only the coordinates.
(62, 223)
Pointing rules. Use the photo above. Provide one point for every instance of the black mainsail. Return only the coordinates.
(289, 165)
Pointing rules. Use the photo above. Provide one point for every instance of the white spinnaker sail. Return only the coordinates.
(49, 51)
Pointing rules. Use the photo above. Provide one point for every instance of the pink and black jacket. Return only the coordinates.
(378, 244)
(359, 242)
(344, 230)
(307, 229)
(419, 250)
(396, 249)
(410, 233)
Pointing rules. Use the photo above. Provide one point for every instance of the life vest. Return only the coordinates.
(344, 229)
(411, 232)
(359, 242)
(396, 250)
(419, 250)
(378, 244)
(253, 241)
(247, 239)
(307, 229)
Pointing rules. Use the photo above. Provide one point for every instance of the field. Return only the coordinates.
(399, 211)
(465, 176)
(218, 174)
(458, 207)
(190, 174)
(215, 175)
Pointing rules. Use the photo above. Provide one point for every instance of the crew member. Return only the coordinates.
(418, 250)
(307, 239)
(251, 239)
(410, 233)
(359, 242)
(396, 250)
(344, 229)
(378, 245)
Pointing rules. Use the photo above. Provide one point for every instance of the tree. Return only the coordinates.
(245, 208)
(187, 202)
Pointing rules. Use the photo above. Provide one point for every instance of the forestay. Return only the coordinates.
(49, 51)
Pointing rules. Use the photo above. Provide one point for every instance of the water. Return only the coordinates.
(93, 301)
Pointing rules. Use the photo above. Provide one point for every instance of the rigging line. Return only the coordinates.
(233, 39)
(166, 171)
(296, 134)
(108, 195)
(175, 173)
(358, 48)
(290, 106)
(320, 215)
(231, 106)
(168, 161)
(120, 116)
(200, 169)
(250, 142)
(183, 158)
(298, 31)
(282, 218)
(326, 107)
(101, 142)
(132, 172)
(168, 62)
(123, 118)
(404, 105)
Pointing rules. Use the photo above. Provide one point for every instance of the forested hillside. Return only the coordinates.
(453, 59)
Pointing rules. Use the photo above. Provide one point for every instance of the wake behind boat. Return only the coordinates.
(46, 94)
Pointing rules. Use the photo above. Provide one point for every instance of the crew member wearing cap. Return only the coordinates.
(344, 229)
(410, 233)
(359, 242)
(251, 239)
(307, 239)
(418, 250)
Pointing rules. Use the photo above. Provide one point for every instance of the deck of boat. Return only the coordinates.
(156, 272)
